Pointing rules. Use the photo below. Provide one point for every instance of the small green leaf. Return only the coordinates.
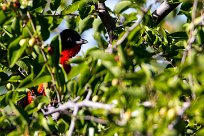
(99, 54)
(3, 17)
(73, 7)
(76, 70)
(97, 24)
(121, 6)
(200, 36)
(22, 65)
(77, 60)
(32, 80)
(122, 55)
(16, 25)
(85, 24)
(15, 51)
(44, 30)
(3, 77)
(54, 4)
(39, 3)
(62, 125)
(84, 10)
(55, 47)
(84, 75)
(37, 104)
(113, 68)
(186, 6)
(179, 35)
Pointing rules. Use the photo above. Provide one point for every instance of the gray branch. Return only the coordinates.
(84, 103)
(163, 10)
(107, 20)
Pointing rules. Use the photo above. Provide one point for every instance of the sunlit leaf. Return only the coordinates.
(15, 51)
(121, 6)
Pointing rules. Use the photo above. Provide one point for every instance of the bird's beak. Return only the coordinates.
(82, 41)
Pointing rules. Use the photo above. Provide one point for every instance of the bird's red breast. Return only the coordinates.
(66, 55)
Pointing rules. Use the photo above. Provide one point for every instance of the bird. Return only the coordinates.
(71, 43)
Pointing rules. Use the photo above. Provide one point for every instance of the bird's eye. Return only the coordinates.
(69, 39)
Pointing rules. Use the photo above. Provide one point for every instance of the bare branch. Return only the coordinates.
(76, 106)
(84, 103)
(107, 20)
(88, 96)
(163, 10)
(192, 34)
(185, 106)
(72, 125)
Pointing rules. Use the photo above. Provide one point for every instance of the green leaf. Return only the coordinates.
(200, 36)
(28, 28)
(39, 3)
(37, 104)
(77, 60)
(186, 6)
(32, 80)
(122, 55)
(121, 6)
(15, 51)
(62, 125)
(23, 65)
(136, 92)
(73, 7)
(55, 47)
(44, 30)
(3, 77)
(3, 17)
(97, 24)
(84, 10)
(16, 25)
(84, 75)
(19, 112)
(179, 35)
(85, 24)
(8, 30)
(113, 68)
(54, 4)
(100, 54)
(54, 22)
(76, 70)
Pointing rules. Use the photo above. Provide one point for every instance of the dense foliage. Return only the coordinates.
(143, 78)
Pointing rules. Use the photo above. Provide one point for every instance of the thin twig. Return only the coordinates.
(60, 15)
(52, 76)
(192, 35)
(32, 24)
(88, 96)
(121, 40)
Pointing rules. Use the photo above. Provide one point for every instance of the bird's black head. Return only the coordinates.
(70, 38)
